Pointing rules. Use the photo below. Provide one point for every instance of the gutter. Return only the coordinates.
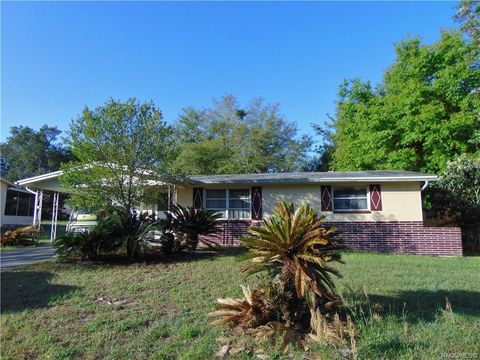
(424, 186)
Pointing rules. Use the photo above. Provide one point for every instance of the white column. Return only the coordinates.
(37, 214)
(53, 230)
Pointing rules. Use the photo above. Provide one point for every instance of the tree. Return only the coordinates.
(456, 197)
(323, 150)
(122, 148)
(423, 114)
(28, 152)
(468, 14)
(229, 139)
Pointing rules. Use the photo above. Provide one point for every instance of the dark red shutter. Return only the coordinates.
(197, 198)
(326, 197)
(375, 197)
(257, 203)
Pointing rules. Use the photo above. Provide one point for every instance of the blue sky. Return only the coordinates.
(58, 57)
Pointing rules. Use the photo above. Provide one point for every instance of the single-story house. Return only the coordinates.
(16, 205)
(372, 210)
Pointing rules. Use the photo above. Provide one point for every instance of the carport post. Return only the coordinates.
(53, 230)
(37, 214)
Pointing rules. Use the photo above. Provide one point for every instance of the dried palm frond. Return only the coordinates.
(251, 311)
(277, 330)
(20, 236)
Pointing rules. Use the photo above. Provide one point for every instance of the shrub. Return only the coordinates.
(135, 231)
(20, 236)
(102, 239)
(294, 248)
(190, 223)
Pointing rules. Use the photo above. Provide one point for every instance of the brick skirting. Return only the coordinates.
(408, 237)
(230, 232)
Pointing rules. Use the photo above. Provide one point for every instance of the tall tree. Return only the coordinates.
(122, 149)
(456, 197)
(423, 114)
(230, 139)
(468, 14)
(28, 152)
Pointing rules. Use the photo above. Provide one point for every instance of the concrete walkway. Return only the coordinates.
(29, 255)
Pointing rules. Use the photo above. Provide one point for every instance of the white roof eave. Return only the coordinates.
(320, 181)
(38, 178)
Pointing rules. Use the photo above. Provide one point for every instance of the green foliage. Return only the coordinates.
(28, 152)
(228, 139)
(120, 148)
(296, 247)
(135, 231)
(190, 223)
(423, 114)
(457, 197)
(298, 296)
(102, 239)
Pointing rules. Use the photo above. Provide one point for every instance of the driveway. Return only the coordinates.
(29, 255)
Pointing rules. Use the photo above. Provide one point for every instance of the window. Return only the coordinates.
(18, 203)
(216, 200)
(239, 204)
(11, 203)
(232, 204)
(350, 198)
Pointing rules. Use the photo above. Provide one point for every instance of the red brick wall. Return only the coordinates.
(230, 232)
(409, 237)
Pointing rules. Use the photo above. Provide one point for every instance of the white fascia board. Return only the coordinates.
(319, 181)
(37, 178)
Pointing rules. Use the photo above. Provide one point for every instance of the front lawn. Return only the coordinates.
(159, 310)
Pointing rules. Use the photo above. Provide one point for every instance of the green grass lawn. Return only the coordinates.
(159, 310)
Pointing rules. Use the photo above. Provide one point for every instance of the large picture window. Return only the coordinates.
(352, 198)
(232, 204)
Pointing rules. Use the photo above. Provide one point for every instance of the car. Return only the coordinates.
(82, 221)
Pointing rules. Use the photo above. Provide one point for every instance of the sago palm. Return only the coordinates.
(296, 247)
(192, 223)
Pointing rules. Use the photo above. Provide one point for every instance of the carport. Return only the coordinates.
(50, 182)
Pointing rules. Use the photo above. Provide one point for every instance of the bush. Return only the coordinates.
(102, 239)
(21, 236)
(455, 198)
(189, 223)
(294, 248)
(135, 231)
